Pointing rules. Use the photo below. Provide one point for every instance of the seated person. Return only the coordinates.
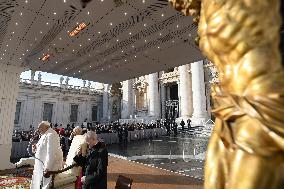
(95, 163)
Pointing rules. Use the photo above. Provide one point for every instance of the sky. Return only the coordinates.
(54, 78)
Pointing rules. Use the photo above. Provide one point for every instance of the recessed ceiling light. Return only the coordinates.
(3, 54)
(122, 51)
(40, 32)
(145, 25)
(110, 23)
(102, 0)
(145, 40)
(66, 68)
(56, 62)
(89, 39)
(160, 33)
(54, 13)
(117, 40)
(23, 54)
(189, 35)
(74, 73)
(125, 13)
(13, 32)
(90, 66)
(10, 39)
(64, 1)
(177, 26)
(20, 58)
(53, 44)
(16, 23)
(99, 32)
(80, 45)
(79, 71)
(132, 46)
(173, 41)
(88, 12)
(5, 50)
(27, 50)
(158, 47)
(143, 1)
(163, 15)
(21, 13)
(7, 45)
(77, 23)
(1, 58)
(60, 38)
(73, 50)
(130, 33)
(125, 60)
(135, 56)
(26, 1)
(47, 23)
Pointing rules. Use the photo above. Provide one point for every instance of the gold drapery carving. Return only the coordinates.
(241, 37)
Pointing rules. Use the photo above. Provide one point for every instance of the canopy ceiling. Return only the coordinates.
(123, 39)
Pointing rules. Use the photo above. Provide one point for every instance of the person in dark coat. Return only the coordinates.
(188, 124)
(182, 125)
(94, 164)
(125, 137)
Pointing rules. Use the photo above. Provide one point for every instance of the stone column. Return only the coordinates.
(154, 103)
(9, 86)
(185, 92)
(127, 99)
(198, 91)
(106, 102)
(163, 100)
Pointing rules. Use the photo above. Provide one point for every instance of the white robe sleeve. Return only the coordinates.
(53, 144)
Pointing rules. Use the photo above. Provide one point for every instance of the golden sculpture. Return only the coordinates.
(241, 37)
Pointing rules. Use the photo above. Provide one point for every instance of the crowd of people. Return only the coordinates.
(113, 127)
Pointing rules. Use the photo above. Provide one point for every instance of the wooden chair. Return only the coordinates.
(123, 182)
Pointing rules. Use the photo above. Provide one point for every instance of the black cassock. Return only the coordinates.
(94, 167)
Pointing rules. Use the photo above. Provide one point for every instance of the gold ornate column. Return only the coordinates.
(241, 37)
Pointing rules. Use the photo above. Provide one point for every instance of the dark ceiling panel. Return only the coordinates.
(123, 39)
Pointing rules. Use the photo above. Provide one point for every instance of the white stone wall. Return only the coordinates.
(9, 85)
(34, 97)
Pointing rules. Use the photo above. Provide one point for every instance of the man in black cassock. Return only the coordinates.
(94, 164)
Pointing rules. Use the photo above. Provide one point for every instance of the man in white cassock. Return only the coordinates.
(48, 156)
(78, 146)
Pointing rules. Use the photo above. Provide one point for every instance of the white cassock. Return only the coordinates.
(78, 145)
(49, 152)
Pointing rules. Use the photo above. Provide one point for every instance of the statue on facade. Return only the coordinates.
(61, 80)
(241, 38)
(84, 83)
(33, 75)
(89, 84)
(67, 82)
(115, 89)
(39, 78)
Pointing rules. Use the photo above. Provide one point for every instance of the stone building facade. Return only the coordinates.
(56, 102)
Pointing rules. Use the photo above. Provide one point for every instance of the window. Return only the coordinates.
(17, 113)
(74, 113)
(47, 112)
(94, 113)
